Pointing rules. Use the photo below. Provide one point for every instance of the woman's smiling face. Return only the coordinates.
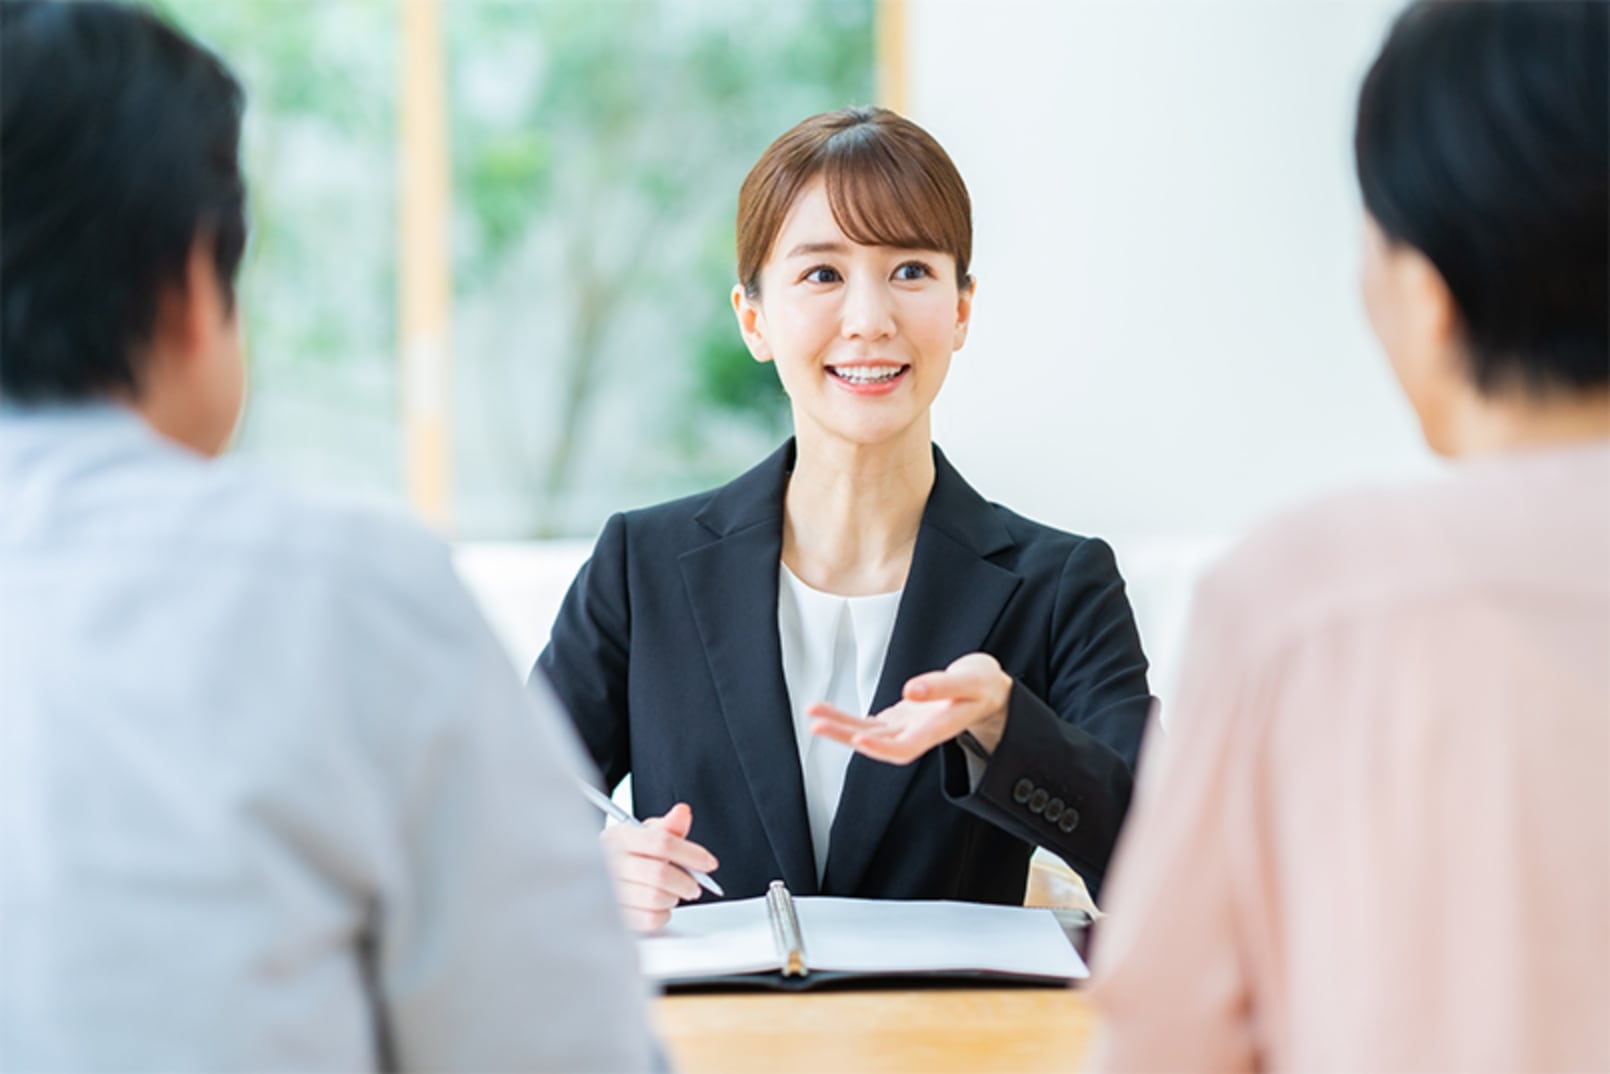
(861, 335)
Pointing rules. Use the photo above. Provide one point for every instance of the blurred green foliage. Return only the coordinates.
(319, 78)
(597, 148)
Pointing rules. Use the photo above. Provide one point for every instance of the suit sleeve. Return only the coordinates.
(1062, 774)
(585, 660)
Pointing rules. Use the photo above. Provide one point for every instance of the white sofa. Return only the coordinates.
(520, 586)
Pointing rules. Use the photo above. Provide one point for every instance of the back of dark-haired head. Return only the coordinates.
(1483, 141)
(119, 148)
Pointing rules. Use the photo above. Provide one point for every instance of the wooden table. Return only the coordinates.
(929, 1030)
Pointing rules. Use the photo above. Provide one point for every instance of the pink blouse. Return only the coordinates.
(1377, 834)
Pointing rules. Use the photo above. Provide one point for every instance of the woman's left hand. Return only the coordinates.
(969, 695)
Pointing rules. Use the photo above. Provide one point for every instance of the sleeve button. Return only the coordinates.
(1037, 800)
(1070, 819)
(1053, 809)
(1021, 791)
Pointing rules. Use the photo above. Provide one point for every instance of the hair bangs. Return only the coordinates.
(888, 183)
(882, 197)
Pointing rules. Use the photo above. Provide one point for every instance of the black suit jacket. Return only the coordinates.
(667, 655)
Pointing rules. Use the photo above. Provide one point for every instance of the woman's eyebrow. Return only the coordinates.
(806, 248)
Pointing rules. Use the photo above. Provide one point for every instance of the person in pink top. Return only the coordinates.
(1376, 836)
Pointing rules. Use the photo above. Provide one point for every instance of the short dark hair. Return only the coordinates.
(889, 183)
(1483, 141)
(119, 148)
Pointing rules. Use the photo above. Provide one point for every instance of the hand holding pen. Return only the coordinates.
(654, 864)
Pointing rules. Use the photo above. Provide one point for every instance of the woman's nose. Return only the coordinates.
(868, 311)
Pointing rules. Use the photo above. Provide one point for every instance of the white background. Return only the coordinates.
(1168, 339)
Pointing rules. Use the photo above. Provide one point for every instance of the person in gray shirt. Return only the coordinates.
(271, 795)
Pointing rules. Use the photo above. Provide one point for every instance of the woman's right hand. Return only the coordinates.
(644, 862)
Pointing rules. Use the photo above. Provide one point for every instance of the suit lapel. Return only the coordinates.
(732, 586)
(953, 596)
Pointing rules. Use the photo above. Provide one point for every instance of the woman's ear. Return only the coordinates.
(751, 323)
(1430, 320)
(1433, 368)
(1440, 322)
(1416, 319)
(964, 311)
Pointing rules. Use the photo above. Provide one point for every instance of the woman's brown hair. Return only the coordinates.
(888, 183)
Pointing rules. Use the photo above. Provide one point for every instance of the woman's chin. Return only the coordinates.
(871, 430)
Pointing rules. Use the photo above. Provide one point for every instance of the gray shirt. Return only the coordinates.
(271, 795)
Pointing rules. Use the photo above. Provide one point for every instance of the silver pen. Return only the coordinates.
(785, 931)
(607, 804)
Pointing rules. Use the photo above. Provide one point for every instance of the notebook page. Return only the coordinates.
(862, 936)
(716, 938)
(858, 935)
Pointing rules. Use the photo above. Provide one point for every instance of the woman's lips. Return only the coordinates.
(868, 379)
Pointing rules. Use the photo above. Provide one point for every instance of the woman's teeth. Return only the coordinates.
(878, 375)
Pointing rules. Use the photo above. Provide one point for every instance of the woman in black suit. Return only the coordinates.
(725, 648)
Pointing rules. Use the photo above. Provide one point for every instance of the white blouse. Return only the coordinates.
(833, 651)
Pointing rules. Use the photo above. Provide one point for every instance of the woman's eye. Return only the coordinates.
(823, 274)
(913, 270)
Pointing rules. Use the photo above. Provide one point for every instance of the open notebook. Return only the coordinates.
(743, 944)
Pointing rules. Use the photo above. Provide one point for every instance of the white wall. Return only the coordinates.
(1168, 340)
